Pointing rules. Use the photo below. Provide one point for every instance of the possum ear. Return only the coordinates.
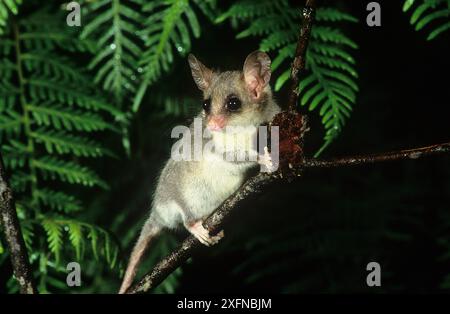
(201, 74)
(257, 72)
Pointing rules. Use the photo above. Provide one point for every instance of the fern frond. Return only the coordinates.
(10, 124)
(277, 40)
(67, 171)
(110, 248)
(61, 142)
(58, 200)
(46, 89)
(54, 227)
(15, 154)
(42, 31)
(20, 180)
(6, 46)
(70, 119)
(8, 95)
(93, 236)
(248, 9)
(333, 15)
(168, 28)
(54, 237)
(7, 7)
(208, 8)
(76, 238)
(47, 104)
(114, 24)
(272, 22)
(332, 82)
(57, 79)
(52, 66)
(436, 12)
(7, 69)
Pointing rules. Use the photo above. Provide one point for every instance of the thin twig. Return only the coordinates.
(13, 234)
(396, 155)
(299, 62)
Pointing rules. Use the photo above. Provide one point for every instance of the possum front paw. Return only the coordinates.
(266, 162)
(202, 234)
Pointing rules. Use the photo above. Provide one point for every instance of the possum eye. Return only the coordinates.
(207, 105)
(233, 103)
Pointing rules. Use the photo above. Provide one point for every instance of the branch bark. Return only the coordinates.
(13, 234)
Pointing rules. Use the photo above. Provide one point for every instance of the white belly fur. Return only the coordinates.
(218, 180)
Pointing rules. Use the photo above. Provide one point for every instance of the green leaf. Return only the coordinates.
(53, 91)
(439, 31)
(115, 25)
(161, 38)
(10, 124)
(67, 171)
(66, 118)
(6, 8)
(282, 79)
(434, 15)
(58, 200)
(15, 154)
(52, 66)
(407, 5)
(47, 104)
(76, 238)
(93, 235)
(54, 237)
(61, 142)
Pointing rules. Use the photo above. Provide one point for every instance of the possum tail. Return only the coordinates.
(148, 233)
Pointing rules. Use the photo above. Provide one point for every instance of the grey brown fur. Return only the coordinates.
(189, 191)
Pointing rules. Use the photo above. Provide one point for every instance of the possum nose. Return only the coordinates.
(216, 123)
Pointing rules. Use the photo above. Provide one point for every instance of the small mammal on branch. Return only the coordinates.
(189, 191)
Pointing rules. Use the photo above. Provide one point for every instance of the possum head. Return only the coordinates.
(235, 98)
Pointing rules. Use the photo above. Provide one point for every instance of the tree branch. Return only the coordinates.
(396, 155)
(300, 52)
(13, 234)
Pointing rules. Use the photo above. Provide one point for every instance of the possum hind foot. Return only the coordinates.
(202, 234)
